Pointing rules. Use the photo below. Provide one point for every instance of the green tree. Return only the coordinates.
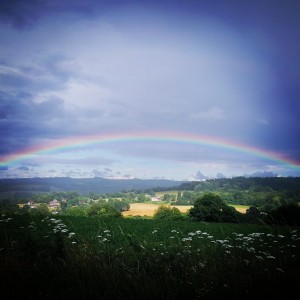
(104, 210)
(164, 212)
(41, 209)
(212, 208)
(178, 198)
(77, 211)
(286, 214)
(142, 198)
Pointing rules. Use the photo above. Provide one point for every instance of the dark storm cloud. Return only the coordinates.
(19, 13)
(23, 119)
(24, 14)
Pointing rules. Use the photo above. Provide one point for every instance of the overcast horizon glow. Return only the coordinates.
(72, 69)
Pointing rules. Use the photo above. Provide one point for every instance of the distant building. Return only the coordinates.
(54, 204)
(155, 198)
(32, 204)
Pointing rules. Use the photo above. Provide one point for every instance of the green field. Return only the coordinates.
(133, 258)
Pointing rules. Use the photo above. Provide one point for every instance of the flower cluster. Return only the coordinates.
(4, 219)
(58, 227)
(105, 236)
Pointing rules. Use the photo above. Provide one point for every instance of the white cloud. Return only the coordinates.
(212, 114)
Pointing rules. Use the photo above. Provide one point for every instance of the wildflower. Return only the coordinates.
(279, 269)
(71, 234)
(251, 249)
(186, 239)
(73, 242)
(247, 262)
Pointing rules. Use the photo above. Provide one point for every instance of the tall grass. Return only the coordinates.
(98, 258)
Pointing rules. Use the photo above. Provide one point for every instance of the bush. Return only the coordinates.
(104, 210)
(212, 208)
(287, 214)
(165, 212)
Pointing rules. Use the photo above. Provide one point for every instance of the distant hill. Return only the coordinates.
(26, 187)
(244, 183)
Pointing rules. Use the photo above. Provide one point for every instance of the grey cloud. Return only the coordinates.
(25, 14)
(23, 119)
(99, 173)
(127, 176)
(93, 161)
(261, 174)
(200, 176)
(20, 14)
(23, 168)
(220, 175)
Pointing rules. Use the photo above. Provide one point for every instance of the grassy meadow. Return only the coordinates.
(66, 257)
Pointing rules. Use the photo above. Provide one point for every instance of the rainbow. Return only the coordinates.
(170, 137)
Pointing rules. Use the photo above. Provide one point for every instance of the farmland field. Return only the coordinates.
(148, 209)
(121, 258)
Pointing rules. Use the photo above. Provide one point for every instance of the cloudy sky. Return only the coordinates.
(224, 71)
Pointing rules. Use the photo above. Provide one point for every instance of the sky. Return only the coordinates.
(182, 90)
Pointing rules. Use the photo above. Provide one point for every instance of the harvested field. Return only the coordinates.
(148, 209)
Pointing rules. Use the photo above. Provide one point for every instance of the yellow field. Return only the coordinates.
(148, 209)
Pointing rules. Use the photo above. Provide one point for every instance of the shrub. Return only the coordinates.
(287, 214)
(104, 210)
(212, 208)
(165, 212)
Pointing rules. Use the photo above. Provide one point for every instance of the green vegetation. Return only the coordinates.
(65, 257)
(212, 208)
(164, 212)
(88, 250)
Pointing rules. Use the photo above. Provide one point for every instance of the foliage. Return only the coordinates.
(41, 209)
(165, 212)
(103, 210)
(212, 208)
(79, 211)
(287, 214)
(117, 258)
